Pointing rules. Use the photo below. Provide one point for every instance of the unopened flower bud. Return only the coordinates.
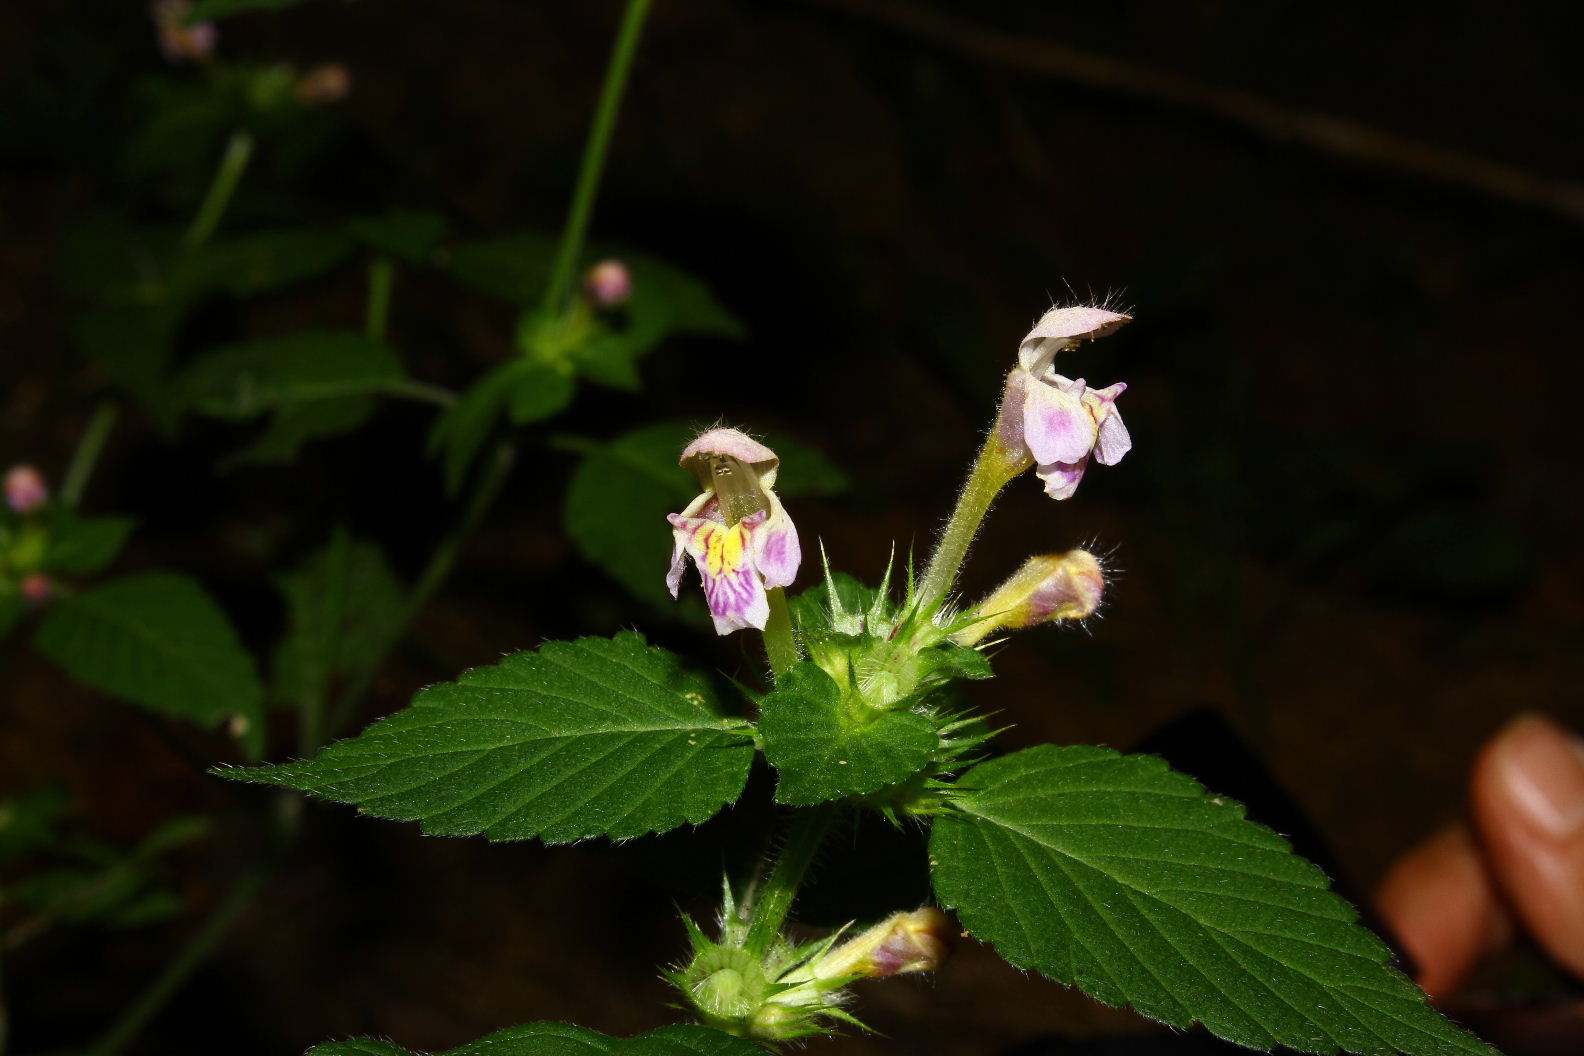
(916, 941)
(324, 84)
(37, 588)
(178, 41)
(25, 490)
(1048, 587)
(608, 284)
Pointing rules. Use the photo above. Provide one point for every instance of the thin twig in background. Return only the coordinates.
(1330, 135)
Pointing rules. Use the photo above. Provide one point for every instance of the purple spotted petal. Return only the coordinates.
(736, 594)
(1056, 425)
(1061, 478)
(1062, 328)
(775, 546)
(737, 601)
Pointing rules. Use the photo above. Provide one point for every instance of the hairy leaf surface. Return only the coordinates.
(597, 737)
(1120, 876)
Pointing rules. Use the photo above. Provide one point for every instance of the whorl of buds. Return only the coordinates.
(25, 489)
(1048, 587)
(608, 284)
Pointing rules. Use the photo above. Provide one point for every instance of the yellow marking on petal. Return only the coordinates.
(724, 550)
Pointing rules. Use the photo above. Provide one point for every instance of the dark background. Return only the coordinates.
(1349, 522)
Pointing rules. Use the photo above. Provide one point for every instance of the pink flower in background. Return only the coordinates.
(25, 489)
(736, 531)
(178, 41)
(1057, 421)
(608, 284)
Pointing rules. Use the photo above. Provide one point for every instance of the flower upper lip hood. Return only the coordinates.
(1056, 421)
(736, 530)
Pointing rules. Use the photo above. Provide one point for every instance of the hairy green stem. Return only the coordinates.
(233, 163)
(181, 967)
(594, 151)
(992, 470)
(382, 279)
(780, 643)
(87, 454)
(773, 901)
(486, 488)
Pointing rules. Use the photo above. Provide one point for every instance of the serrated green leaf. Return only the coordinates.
(513, 267)
(258, 262)
(409, 235)
(156, 639)
(824, 747)
(294, 425)
(241, 381)
(564, 1039)
(81, 545)
(343, 609)
(132, 344)
(317, 384)
(621, 492)
(1115, 874)
(597, 737)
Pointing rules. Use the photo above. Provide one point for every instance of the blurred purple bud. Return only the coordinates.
(608, 284)
(324, 84)
(178, 41)
(37, 588)
(25, 490)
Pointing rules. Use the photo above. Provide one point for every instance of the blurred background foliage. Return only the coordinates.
(1347, 522)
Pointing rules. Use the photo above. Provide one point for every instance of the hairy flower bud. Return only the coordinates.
(608, 284)
(915, 941)
(1048, 587)
(25, 489)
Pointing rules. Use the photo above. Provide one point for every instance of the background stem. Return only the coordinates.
(594, 151)
(233, 163)
(87, 454)
(176, 972)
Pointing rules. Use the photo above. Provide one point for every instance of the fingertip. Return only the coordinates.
(1528, 806)
(1441, 904)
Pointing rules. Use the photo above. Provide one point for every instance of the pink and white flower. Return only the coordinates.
(1057, 421)
(736, 531)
